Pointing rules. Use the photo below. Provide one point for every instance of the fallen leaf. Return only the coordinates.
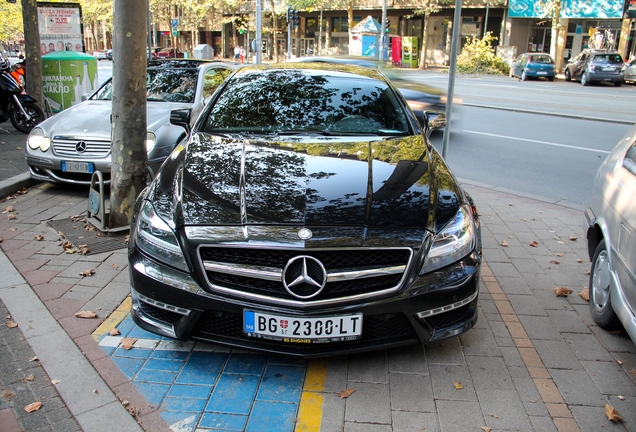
(587, 272)
(29, 377)
(67, 245)
(70, 251)
(0, 239)
(11, 217)
(12, 324)
(579, 260)
(458, 386)
(34, 358)
(555, 262)
(562, 291)
(9, 209)
(585, 294)
(84, 251)
(573, 238)
(23, 191)
(504, 243)
(85, 314)
(134, 411)
(96, 391)
(18, 148)
(90, 272)
(619, 361)
(621, 397)
(39, 237)
(6, 394)
(127, 343)
(633, 372)
(114, 332)
(561, 242)
(126, 239)
(115, 266)
(510, 204)
(33, 407)
(346, 393)
(559, 254)
(612, 414)
(494, 415)
(125, 402)
(55, 381)
(486, 428)
(534, 243)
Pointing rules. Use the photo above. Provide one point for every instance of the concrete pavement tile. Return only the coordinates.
(49, 291)
(117, 421)
(281, 383)
(336, 379)
(543, 424)
(366, 427)
(411, 359)
(448, 351)
(479, 342)
(486, 304)
(557, 354)
(100, 278)
(549, 301)
(503, 410)
(530, 396)
(504, 269)
(407, 421)
(370, 403)
(615, 341)
(444, 377)
(568, 321)
(95, 258)
(592, 419)
(611, 378)
(527, 265)
(38, 277)
(23, 260)
(513, 285)
(496, 255)
(371, 367)
(79, 295)
(577, 387)
(267, 416)
(587, 347)
(333, 408)
(63, 308)
(76, 327)
(109, 298)
(511, 356)
(411, 392)
(539, 328)
(489, 373)
(526, 305)
(471, 417)
(13, 244)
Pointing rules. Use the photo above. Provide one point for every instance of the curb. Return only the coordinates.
(15, 183)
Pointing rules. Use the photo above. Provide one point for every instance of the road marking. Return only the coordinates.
(114, 319)
(554, 402)
(538, 142)
(311, 401)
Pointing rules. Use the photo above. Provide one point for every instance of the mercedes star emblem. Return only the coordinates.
(305, 233)
(80, 147)
(304, 277)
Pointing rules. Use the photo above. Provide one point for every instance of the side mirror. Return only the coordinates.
(181, 117)
(434, 119)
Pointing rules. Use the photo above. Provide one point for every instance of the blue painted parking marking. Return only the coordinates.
(200, 386)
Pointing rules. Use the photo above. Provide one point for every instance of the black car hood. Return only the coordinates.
(310, 181)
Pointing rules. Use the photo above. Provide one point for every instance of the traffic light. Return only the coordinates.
(292, 17)
(387, 25)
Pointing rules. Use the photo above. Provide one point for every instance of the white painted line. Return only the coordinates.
(146, 343)
(111, 341)
(538, 142)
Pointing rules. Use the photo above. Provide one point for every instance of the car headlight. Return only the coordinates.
(454, 242)
(154, 237)
(151, 140)
(38, 140)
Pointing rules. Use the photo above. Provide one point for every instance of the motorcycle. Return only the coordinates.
(15, 104)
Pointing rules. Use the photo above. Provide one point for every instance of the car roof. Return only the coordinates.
(317, 66)
(181, 63)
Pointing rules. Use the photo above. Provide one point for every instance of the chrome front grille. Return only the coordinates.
(349, 273)
(92, 148)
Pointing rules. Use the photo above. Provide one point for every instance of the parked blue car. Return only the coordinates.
(533, 65)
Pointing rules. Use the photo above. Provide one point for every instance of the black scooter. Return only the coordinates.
(15, 104)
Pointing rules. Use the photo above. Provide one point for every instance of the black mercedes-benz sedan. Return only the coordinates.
(305, 214)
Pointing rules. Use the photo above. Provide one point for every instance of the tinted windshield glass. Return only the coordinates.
(541, 59)
(608, 58)
(301, 100)
(164, 85)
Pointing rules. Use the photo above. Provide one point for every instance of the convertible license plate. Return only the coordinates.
(80, 167)
(302, 330)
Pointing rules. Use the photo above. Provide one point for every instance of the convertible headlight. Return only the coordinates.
(454, 242)
(154, 237)
(37, 140)
(151, 140)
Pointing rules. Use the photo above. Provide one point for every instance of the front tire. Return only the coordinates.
(568, 77)
(600, 300)
(23, 124)
(618, 83)
(524, 77)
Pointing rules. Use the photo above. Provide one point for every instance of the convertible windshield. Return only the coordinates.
(164, 85)
(289, 101)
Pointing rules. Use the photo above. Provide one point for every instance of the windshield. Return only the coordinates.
(294, 101)
(541, 59)
(164, 85)
(608, 58)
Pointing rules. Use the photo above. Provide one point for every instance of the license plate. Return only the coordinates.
(302, 330)
(608, 69)
(81, 167)
(542, 73)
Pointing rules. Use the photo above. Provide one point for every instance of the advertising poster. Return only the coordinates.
(569, 9)
(60, 27)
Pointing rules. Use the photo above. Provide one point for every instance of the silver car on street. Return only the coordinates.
(71, 145)
(610, 226)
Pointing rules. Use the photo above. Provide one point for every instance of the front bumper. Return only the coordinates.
(171, 303)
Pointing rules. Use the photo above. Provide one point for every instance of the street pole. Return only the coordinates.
(486, 19)
(451, 77)
(382, 41)
(149, 30)
(259, 32)
(289, 46)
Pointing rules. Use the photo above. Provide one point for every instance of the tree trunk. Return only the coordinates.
(423, 64)
(128, 148)
(32, 50)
